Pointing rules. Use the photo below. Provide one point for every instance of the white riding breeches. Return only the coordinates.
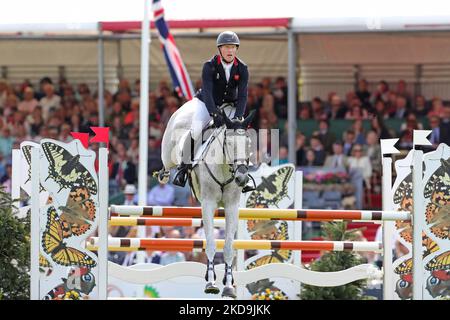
(195, 117)
(202, 118)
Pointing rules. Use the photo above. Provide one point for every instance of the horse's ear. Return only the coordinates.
(249, 119)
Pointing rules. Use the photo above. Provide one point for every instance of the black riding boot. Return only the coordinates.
(182, 170)
(181, 175)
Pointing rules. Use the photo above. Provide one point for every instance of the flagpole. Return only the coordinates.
(143, 116)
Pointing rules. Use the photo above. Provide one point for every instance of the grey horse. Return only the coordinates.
(217, 180)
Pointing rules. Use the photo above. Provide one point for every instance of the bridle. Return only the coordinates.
(239, 164)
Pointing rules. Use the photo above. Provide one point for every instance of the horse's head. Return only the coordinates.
(237, 139)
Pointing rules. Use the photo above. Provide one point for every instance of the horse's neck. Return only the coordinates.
(219, 168)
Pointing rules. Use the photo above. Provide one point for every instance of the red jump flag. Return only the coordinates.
(101, 135)
(83, 137)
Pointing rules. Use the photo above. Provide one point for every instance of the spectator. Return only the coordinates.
(49, 101)
(361, 162)
(356, 112)
(445, 126)
(168, 257)
(283, 157)
(280, 95)
(6, 179)
(310, 159)
(161, 195)
(363, 93)
(6, 142)
(435, 131)
(123, 170)
(360, 136)
(3, 92)
(349, 141)
(377, 125)
(401, 110)
(338, 159)
(403, 92)
(29, 103)
(326, 137)
(411, 123)
(304, 113)
(318, 109)
(420, 106)
(381, 92)
(65, 136)
(373, 150)
(391, 104)
(129, 193)
(381, 110)
(300, 148)
(2, 165)
(154, 155)
(437, 107)
(319, 152)
(337, 109)
(133, 151)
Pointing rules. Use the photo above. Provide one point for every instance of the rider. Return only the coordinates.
(224, 82)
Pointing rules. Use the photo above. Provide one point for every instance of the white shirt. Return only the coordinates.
(227, 68)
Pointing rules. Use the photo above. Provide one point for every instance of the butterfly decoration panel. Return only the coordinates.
(275, 188)
(67, 219)
(434, 203)
(45, 267)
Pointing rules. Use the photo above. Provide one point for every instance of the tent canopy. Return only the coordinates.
(86, 16)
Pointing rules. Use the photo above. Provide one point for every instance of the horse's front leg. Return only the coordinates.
(231, 225)
(208, 208)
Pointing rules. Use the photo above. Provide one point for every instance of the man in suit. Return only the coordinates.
(444, 127)
(338, 159)
(326, 137)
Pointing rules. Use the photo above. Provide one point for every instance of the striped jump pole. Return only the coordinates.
(163, 222)
(263, 213)
(133, 244)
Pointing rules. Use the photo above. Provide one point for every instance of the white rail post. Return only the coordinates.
(16, 179)
(388, 230)
(103, 224)
(35, 225)
(417, 220)
(298, 204)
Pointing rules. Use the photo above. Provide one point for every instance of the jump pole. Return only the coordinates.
(262, 213)
(189, 244)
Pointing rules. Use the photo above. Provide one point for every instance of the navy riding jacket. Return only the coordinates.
(216, 90)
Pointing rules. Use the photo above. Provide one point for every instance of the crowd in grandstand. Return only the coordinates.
(53, 110)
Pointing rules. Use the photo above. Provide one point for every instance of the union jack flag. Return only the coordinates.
(180, 77)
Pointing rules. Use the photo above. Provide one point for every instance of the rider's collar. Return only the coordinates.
(219, 60)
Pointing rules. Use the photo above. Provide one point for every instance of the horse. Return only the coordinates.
(217, 180)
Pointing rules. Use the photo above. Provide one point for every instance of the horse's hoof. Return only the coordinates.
(229, 292)
(211, 288)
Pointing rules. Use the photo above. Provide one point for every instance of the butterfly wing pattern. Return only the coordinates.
(53, 244)
(66, 169)
(270, 192)
(26, 151)
(272, 189)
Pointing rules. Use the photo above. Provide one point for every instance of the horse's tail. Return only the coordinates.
(163, 175)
